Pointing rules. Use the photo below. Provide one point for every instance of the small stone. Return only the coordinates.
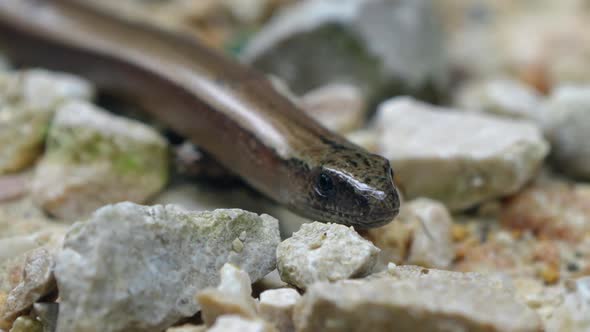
(502, 96)
(414, 299)
(392, 46)
(276, 307)
(160, 256)
(94, 158)
(421, 235)
(232, 323)
(37, 281)
(338, 107)
(231, 297)
(247, 11)
(26, 324)
(567, 126)
(28, 99)
(315, 253)
(459, 159)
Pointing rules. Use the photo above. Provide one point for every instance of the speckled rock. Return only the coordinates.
(337, 106)
(37, 281)
(378, 45)
(502, 96)
(276, 307)
(28, 99)
(552, 210)
(420, 235)
(573, 314)
(185, 251)
(314, 253)
(94, 158)
(459, 159)
(27, 324)
(414, 299)
(567, 126)
(231, 297)
(236, 323)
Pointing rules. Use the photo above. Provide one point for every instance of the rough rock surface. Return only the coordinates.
(459, 159)
(28, 99)
(567, 126)
(37, 281)
(338, 107)
(160, 257)
(376, 45)
(233, 296)
(414, 299)
(315, 253)
(500, 96)
(94, 158)
(276, 306)
(231, 323)
(573, 314)
(420, 235)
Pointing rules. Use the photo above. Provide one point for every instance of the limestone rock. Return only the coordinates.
(459, 159)
(338, 107)
(160, 258)
(567, 126)
(231, 297)
(315, 253)
(276, 307)
(378, 45)
(572, 314)
(231, 323)
(414, 299)
(37, 281)
(502, 96)
(94, 158)
(28, 99)
(420, 235)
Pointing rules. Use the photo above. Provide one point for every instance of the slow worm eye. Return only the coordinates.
(324, 184)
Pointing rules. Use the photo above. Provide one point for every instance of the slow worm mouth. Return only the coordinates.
(370, 220)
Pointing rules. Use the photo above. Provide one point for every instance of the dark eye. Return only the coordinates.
(324, 184)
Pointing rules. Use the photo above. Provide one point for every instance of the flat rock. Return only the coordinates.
(420, 235)
(315, 253)
(457, 158)
(500, 96)
(232, 323)
(414, 299)
(94, 158)
(161, 257)
(567, 126)
(188, 328)
(377, 45)
(233, 296)
(28, 99)
(276, 306)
